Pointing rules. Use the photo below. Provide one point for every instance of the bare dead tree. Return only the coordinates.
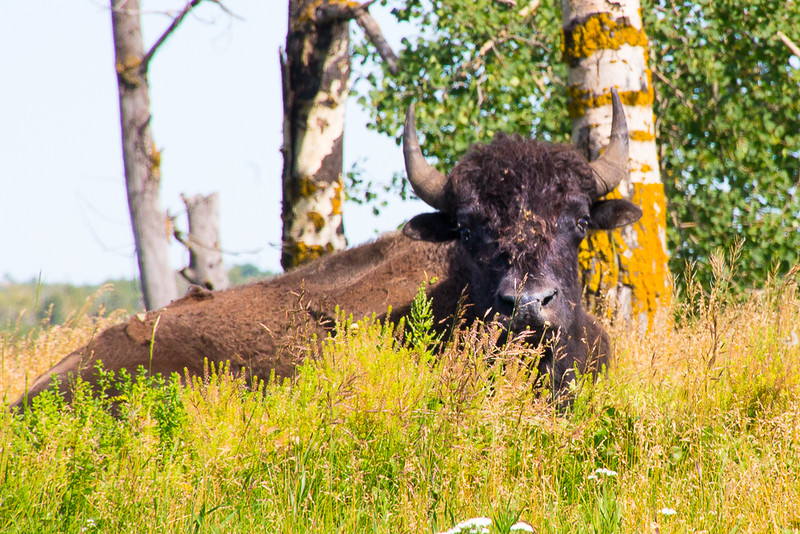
(142, 160)
(205, 254)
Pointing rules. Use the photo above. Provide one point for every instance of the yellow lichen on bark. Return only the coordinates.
(580, 99)
(600, 32)
(302, 253)
(338, 197)
(642, 135)
(128, 70)
(643, 270)
(317, 220)
(308, 187)
(132, 61)
(155, 163)
(309, 14)
(647, 269)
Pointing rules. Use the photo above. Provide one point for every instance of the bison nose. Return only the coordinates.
(526, 303)
(538, 299)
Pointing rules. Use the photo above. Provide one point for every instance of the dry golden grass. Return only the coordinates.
(26, 355)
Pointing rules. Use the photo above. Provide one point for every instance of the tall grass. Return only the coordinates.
(27, 352)
(695, 428)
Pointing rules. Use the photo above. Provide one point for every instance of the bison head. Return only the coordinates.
(519, 210)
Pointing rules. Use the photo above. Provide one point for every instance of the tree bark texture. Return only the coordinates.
(605, 46)
(316, 72)
(141, 159)
(205, 254)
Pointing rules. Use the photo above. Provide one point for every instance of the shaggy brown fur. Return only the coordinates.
(521, 187)
(509, 242)
(264, 328)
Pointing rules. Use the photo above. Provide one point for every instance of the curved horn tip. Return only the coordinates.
(410, 140)
(426, 181)
(612, 165)
(619, 124)
(410, 118)
(615, 100)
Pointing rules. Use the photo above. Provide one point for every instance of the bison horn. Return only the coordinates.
(612, 165)
(427, 182)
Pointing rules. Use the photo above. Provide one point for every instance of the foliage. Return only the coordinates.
(728, 104)
(727, 107)
(366, 191)
(696, 428)
(479, 68)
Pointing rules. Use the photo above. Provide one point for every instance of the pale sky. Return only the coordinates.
(215, 94)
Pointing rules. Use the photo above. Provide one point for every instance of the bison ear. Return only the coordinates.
(609, 214)
(435, 227)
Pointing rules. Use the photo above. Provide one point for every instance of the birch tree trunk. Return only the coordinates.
(316, 72)
(605, 46)
(141, 158)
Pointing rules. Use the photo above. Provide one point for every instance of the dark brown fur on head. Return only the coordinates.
(521, 186)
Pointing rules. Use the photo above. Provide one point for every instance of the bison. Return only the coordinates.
(503, 242)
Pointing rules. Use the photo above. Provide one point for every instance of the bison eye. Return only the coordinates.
(582, 224)
(465, 234)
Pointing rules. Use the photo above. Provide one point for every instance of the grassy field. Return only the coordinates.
(695, 429)
(25, 305)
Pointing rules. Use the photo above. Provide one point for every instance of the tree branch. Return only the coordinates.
(789, 43)
(172, 27)
(375, 36)
(331, 12)
(672, 86)
(227, 11)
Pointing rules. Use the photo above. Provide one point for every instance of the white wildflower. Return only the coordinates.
(475, 525)
(522, 526)
(667, 511)
(602, 471)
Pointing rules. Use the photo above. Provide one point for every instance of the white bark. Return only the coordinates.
(324, 123)
(606, 47)
(624, 68)
(316, 73)
(575, 9)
